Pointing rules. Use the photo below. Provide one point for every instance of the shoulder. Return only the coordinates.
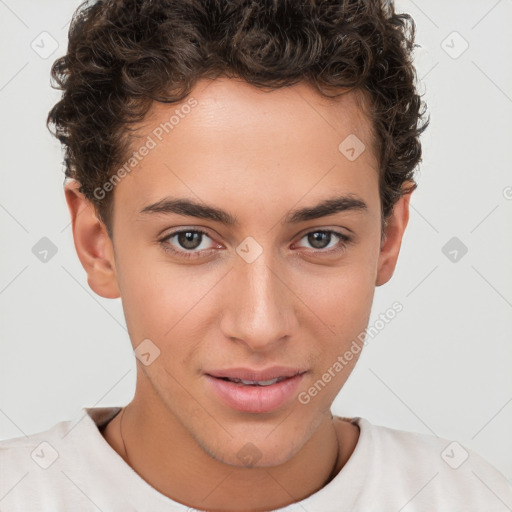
(41, 468)
(18, 451)
(432, 470)
(42, 448)
(28, 467)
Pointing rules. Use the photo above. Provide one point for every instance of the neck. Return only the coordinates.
(192, 476)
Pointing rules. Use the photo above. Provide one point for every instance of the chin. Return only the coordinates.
(259, 451)
(250, 457)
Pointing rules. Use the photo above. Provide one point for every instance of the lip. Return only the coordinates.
(270, 373)
(255, 399)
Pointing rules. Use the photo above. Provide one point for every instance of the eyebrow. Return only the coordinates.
(191, 208)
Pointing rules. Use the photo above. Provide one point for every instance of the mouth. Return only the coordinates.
(250, 375)
(255, 391)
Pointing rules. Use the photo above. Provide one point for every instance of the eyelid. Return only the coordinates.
(333, 229)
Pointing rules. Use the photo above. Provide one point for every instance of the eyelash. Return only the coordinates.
(344, 240)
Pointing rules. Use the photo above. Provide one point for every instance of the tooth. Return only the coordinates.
(255, 382)
(248, 382)
(267, 382)
(259, 382)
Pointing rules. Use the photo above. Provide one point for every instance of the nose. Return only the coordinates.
(261, 309)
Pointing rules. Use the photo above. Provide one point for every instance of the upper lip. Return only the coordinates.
(256, 375)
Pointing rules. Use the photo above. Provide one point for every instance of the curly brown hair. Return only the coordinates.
(124, 54)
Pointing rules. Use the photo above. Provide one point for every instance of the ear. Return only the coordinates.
(92, 243)
(393, 233)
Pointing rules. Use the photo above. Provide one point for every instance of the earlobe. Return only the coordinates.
(394, 230)
(92, 243)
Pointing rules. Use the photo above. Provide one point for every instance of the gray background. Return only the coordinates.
(442, 366)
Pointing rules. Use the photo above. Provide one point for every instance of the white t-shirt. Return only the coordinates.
(72, 468)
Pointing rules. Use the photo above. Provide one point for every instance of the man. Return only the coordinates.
(240, 175)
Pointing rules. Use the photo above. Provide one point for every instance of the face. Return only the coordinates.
(271, 287)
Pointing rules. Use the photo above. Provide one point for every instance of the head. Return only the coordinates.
(294, 128)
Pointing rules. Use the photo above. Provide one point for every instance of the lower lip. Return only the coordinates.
(255, 399)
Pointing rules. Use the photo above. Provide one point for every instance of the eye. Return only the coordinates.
(189, 243)
(323, 241)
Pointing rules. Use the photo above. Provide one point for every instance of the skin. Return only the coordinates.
(258, 155)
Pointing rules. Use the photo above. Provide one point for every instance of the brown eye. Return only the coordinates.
(324, 241)
(319, 239)
(187, 243)
(189, 239)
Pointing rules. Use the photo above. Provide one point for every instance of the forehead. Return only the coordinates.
(237, 111)
(229, 138)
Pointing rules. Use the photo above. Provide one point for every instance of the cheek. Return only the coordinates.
(349, 309)
(344, 305)
(161, 299)
(344, 296)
